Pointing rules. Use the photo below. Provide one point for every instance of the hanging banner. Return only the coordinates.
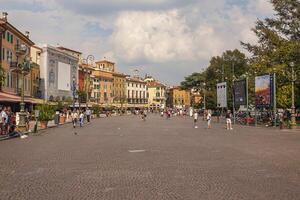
(239, 88)
(263, 91)
(222, 95)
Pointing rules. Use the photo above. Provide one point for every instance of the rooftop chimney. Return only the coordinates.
(4, 16)
(27, 33)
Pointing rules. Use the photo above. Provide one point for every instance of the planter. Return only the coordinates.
(62, 119)
(44, 124)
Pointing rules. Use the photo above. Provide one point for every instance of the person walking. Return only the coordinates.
(228, 120)
(195, 115)
(81, 119)
(208, 118)
(88, 114)
(74, 116)
(4, 119)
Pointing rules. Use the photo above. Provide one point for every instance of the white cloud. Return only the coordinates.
(162, 37)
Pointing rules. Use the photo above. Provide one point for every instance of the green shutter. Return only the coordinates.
(11, 38)
(7, 36)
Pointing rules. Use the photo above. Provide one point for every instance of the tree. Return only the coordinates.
(278, 45)
(233, 64)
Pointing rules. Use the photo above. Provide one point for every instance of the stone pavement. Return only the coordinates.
(125, 158)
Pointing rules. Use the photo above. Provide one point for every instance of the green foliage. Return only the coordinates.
(46, 112)
(278, 45)
(96, 110)
(2, 77)
(82, 96)
(231, 65)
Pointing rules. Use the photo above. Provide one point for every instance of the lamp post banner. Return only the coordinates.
(222, 95)
(263, 90)
(239, 88)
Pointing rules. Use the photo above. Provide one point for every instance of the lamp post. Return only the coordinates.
(293, 107)
(23, 67)
(233, 99)
(89, 61)
(74, 90)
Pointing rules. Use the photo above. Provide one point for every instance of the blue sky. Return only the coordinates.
(168, 39)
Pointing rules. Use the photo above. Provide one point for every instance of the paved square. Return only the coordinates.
(125, 158)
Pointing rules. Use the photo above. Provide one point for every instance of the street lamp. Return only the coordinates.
(293, 117)
(23, 67)
(74, 90)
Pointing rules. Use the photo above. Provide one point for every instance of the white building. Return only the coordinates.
(136, 93)
(58, 72)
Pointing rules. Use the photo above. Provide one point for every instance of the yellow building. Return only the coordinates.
(156, 95)
(119, 89)
(178, 98)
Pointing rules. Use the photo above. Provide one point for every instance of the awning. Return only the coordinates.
(10, 98)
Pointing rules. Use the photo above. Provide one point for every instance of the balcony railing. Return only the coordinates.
(21, 49)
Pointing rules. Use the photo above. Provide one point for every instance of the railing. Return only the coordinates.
(21, 49)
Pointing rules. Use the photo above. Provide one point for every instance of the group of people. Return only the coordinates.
(79, 116)
(208, 116)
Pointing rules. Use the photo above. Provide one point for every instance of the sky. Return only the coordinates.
(168, 39)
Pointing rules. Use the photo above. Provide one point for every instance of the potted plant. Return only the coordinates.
(46, 113)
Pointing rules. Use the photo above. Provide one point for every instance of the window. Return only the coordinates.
(7, 36)
(3, 35)
(128, 94)
(137, 94)
(7, 80)
(95, 86)
(7, 55)
(11, 38)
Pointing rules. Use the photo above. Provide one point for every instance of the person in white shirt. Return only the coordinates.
(81, 119)
(228, 121)
(208, 118)
(74, 116)
(88, 115)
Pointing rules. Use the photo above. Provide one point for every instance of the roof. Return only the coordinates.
(104, 61)
(10, 27)
(67, 49)
(119, 74)
(135, 80)
(155, 84)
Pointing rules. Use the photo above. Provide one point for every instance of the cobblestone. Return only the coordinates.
(179, 162)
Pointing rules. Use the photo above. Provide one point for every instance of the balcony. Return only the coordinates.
(21, 49)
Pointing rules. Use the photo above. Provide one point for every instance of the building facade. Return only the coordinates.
(35, 72)
(59, 73)
(119, 89)
(102, 92)
(178, 98)
(15, 50)
(136, 90)
(156, 94)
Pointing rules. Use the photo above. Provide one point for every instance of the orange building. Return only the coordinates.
(103, 79)
(178, 98)
(14, 50)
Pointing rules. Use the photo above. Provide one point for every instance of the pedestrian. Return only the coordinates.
(4, 121)
(81, 119)
(161, 113)
(195, 118)
(228, 120)
(88, 113)
(74, 116)
(27, 119)
(208, 118)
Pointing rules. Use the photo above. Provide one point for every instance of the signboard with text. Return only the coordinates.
(222, 95)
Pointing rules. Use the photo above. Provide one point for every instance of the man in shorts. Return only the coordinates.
(228, 120)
